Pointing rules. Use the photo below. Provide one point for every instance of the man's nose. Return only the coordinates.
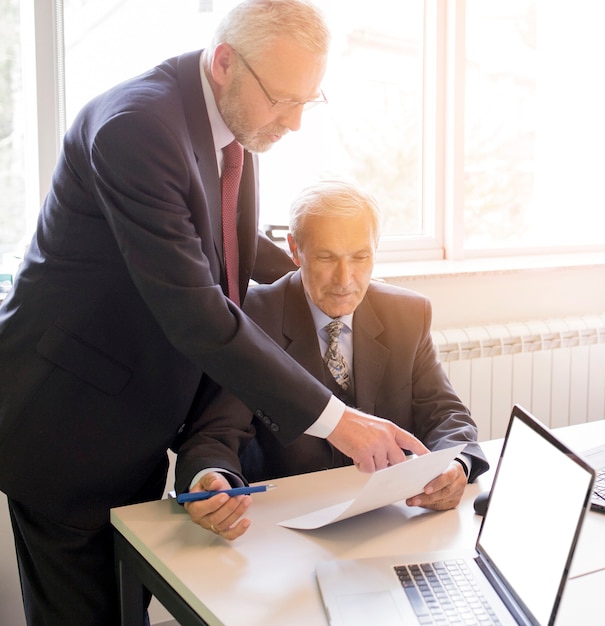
(291, 118)
(343, 273)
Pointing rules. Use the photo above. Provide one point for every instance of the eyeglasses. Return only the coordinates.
(286, 104)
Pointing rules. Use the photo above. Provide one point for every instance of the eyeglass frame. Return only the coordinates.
(274, 101)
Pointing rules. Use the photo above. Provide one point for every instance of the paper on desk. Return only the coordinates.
(383, 487)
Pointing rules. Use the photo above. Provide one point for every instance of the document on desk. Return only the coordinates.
(383, 487)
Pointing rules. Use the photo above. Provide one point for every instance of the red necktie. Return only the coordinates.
(233, 155)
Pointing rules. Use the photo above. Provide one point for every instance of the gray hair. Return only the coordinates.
(333, 198)
(253, 25)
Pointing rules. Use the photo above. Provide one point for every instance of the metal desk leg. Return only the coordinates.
(135, 575)
(131, 589)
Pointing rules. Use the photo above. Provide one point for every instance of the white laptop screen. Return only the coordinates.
(547, 488)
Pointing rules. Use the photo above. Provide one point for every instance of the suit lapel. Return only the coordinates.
(369, 355)
(299, 329)
(200, 132)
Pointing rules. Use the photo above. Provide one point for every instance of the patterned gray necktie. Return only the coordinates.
(333, 357)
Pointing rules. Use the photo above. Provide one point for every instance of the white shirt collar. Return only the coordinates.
(221, 134)
(320, 319)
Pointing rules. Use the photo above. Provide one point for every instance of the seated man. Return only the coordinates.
(367, 341)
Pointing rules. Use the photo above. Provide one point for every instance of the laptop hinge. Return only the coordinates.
(517, 609)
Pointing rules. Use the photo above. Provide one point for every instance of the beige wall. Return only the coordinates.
(475, 298)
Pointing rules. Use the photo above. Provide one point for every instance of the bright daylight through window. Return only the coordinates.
(534, 124)
(486, 119)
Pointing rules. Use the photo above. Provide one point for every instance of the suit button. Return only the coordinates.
(266, 420)
(274, 427)
(258, 413)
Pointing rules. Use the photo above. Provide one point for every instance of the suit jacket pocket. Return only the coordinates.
(83, 360)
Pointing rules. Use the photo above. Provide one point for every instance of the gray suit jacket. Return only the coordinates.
(396, 376)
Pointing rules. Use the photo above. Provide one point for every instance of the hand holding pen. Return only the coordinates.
(194, 496)
(213, 505)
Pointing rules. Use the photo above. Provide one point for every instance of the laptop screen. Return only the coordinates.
(548, 486)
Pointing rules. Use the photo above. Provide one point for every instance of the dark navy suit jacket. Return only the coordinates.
(118, 313)
(396, 376)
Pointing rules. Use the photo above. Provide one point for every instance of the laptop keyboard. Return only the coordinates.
(599, 484)
(445, 592)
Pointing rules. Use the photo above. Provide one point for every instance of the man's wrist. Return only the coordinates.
(328, 420)
(466, 464)
(230, 476)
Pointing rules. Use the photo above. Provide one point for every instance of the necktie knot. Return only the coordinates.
(233, 155)
(334, 358)
(334, 328)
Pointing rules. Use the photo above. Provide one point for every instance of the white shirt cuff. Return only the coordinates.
(466, 463)
(234, 479)
(328, 420)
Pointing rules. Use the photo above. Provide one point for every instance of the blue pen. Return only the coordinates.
(193, 496)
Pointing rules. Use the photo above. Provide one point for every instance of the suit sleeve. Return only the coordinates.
(272, 262)
(214, 439)
(441, 419)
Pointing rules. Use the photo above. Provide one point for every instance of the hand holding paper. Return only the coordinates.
(386, 486)
(381, 440)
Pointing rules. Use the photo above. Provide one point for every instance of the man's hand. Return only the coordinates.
(373, 443)
(220, 514)
(444, 492)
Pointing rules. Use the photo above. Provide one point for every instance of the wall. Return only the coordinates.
(473, 293)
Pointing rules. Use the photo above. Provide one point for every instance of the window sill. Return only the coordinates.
(411, 270)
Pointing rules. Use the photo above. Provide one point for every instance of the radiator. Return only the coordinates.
(555, 368)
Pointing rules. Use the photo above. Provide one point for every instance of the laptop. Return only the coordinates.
(517, 568)
(596, 458)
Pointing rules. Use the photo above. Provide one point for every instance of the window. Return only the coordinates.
(478, 125)
(534, 128)
(13, 222)
(371, 130)
(375, 73)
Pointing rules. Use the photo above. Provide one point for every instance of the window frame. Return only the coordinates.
(441, 147)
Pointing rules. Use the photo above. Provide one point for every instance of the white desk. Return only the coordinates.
(266, 577)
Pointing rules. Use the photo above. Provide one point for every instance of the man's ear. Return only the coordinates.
(223, 62)
(293, 250)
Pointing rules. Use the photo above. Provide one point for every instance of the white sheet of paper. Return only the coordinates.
(383, 487)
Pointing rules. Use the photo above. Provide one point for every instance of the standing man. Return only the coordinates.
(119, 316)
(368, 341)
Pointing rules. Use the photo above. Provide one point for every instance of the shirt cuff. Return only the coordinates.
(466, 463)
(328, 420)
(234, 479)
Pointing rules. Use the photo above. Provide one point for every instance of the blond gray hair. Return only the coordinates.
(333, 198)
(251, 26)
